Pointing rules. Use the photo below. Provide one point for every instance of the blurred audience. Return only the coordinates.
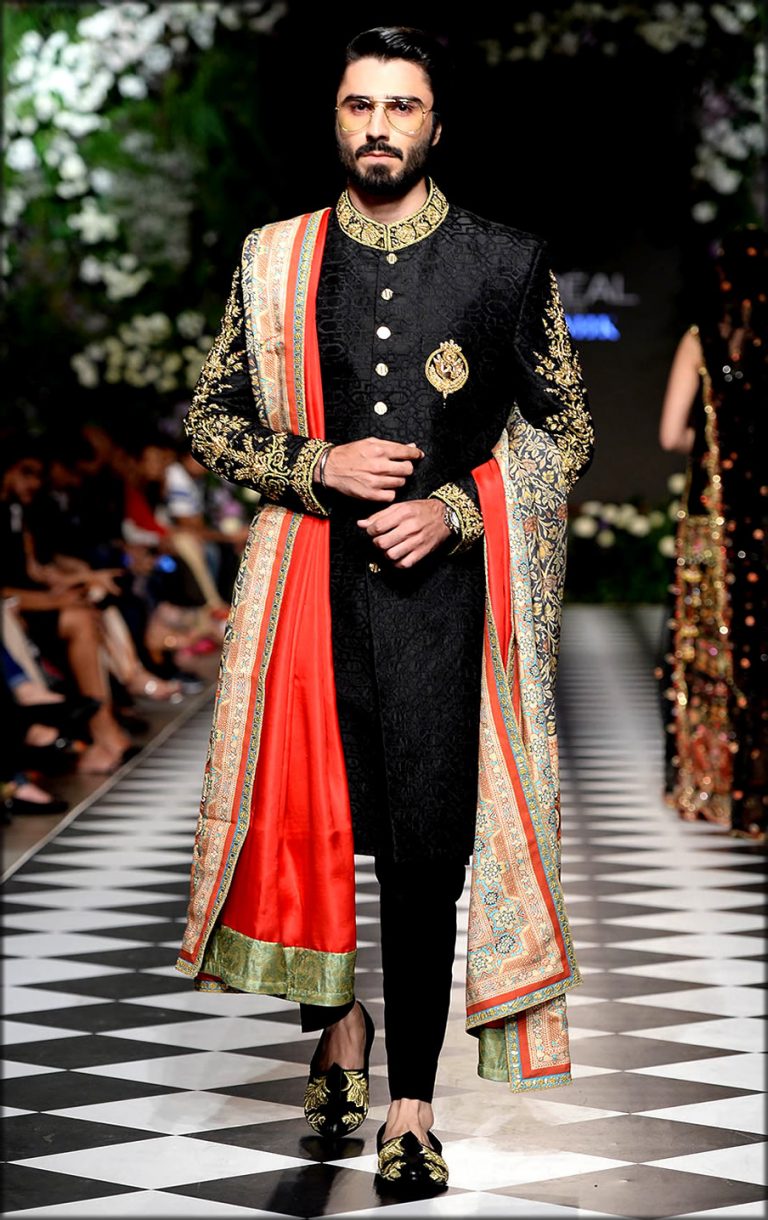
(115, 570)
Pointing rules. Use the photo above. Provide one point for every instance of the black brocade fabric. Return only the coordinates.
(407, 643)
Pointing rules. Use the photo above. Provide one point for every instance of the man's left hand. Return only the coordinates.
(407, 531)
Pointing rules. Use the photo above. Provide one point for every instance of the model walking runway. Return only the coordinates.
(120, 1101)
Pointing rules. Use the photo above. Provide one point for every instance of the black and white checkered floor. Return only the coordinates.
(129, 1094)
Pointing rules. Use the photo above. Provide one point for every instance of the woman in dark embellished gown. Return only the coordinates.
(716, 409)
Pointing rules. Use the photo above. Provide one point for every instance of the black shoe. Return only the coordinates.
(16, 804)
(405, 1161)
(70, 716)
(336, 1101)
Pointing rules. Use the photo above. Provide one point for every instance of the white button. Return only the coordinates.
(387, 294)
(391, 258)
(380, 408)
(384, 332)
(382, 369)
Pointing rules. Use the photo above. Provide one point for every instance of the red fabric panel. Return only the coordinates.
(294, 880)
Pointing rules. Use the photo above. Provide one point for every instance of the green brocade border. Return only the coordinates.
(307, 976)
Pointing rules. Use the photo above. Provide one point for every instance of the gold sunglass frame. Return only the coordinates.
(381, 101)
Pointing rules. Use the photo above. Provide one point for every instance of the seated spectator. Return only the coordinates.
(189, 612)
(186, 504)
(64, 605)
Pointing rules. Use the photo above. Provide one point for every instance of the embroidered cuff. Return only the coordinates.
(303, 470)
(470, 517)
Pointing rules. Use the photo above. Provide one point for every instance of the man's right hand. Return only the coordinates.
(371, 469)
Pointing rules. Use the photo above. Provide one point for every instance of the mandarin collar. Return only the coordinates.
(400, 233)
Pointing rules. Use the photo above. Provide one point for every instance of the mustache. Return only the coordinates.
(379, 146)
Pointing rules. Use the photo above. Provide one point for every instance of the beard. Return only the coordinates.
(385, 179)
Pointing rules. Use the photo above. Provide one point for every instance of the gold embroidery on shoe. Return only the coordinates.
(470, 517)
(446, 368)
(392, 1159)
(316, 1093)
(399, 234)
(438, 1170)
(570, 428)
(356, 1088)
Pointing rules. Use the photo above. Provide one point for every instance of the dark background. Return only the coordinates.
(591, 153)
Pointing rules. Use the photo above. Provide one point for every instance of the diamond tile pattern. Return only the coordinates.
(129, 1094)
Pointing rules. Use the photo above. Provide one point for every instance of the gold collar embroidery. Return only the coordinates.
(400, 233)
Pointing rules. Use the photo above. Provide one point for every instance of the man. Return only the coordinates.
(378, 693)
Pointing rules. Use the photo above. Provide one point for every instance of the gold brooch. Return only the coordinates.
(447, 368)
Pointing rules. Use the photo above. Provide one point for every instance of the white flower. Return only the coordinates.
(21, 155)
(676, 483)
(704, 211)
(87, 373)
(609, 513)
(158, 58)
(72, 166)
(13, 208)
(592, 508)
(728, 21)
(625, 514)
(101, 181)
(746, 11)
(77, 124)
(90, 270)
(132, 86)
(584, 527)
(30, 42)
(190, 324)
(69, 190)
(667, 545)
(639, 526)
(605, 538)
(656, 518)
(23, 70)
(93, 225)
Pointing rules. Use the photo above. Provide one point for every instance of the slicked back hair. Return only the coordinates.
(404, 42)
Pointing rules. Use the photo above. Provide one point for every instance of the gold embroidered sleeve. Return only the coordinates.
(227, 434)
(470, 517)
(553, 396)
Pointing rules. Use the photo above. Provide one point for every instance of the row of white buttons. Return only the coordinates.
(384, 332)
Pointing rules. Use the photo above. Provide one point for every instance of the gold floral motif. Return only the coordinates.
(470, 517)
(571, 427)
(392, 1159)
(316, 1093)
(228, 443)
(356, 1088)
(438, 1170)
(400, 233)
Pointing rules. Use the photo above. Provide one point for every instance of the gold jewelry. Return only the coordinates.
(446, 368)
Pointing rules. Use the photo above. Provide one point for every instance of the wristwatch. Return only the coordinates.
(451, 519)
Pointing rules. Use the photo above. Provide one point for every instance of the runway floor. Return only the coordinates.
(128, 1094)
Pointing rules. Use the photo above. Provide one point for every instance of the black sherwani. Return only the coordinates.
(407, 643)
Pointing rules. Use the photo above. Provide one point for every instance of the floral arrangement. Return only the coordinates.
(732, 97)
(100, 201)
(623, 552)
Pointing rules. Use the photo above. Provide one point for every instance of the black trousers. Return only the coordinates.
(418, 942)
